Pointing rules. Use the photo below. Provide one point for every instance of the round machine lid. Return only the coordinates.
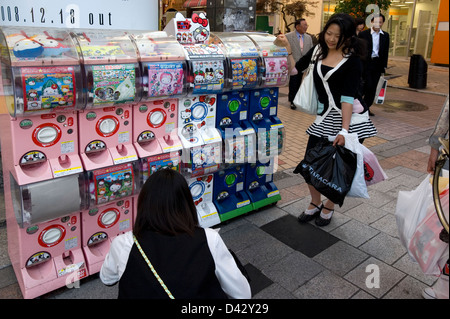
(107, 126)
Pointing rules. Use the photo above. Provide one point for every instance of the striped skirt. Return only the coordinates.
(331, 125)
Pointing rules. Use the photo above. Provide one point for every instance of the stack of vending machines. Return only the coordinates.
(91, 114)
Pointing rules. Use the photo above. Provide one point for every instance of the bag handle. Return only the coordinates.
(152, 268)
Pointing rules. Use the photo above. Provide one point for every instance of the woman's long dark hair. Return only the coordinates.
(165, 205)
(350, 43)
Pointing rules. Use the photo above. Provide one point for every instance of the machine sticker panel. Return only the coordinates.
(112, 183)
(165, 79)
(48, 88)
(244, 73)
(114, 83)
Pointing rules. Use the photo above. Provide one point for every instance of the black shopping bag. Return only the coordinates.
(329, 169)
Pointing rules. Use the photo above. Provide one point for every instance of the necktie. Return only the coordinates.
(301, 42)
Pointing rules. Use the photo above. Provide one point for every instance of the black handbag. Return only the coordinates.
(330, 169)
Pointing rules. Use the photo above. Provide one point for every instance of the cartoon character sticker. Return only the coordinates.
(244, 73)
(113, 183)
(276, 71)
(165, 79)
(48, 88)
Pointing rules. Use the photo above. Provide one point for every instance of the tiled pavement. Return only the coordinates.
(287, 260)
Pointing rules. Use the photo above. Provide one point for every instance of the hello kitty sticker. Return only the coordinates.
(48, 88)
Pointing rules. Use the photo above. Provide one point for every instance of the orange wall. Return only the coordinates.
(440, 51)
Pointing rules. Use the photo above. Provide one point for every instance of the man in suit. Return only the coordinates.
(300, 43)
(376, 59)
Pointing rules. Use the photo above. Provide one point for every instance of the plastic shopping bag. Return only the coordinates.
(425, 246)
(373, 173)
(329, 169)
(359, 187)
(411, 210)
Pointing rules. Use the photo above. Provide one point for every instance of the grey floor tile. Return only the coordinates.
(387, 224)
(340, 258)
(355, 233)
(384, 247)
(408, 288)
(265, 216)
(366, 213)
(326, 285)
(364, 273)
(292, 271)
(412, 268)
(274, 291)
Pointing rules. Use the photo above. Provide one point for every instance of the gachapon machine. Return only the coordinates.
(242, 60)
(112, 81)
(259, 184)
(269, 128)
(239, 136)
(229, 194)
(163, 64)
(202, 193)
(42, 81)
(202, 142)
(110, 209)
(44, 232)
(273, 60)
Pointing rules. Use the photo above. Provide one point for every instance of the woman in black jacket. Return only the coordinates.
(337, 79)
(188, 261)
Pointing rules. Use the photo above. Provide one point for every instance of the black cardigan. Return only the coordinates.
(346, 81)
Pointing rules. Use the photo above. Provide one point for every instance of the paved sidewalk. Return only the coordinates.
(287, 260)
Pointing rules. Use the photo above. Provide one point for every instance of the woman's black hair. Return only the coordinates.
(165, 205)
(350, 43)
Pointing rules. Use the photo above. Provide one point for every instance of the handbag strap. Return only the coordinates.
(152, 268)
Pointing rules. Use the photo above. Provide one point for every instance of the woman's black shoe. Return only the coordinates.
(324, 221)
(304, 218)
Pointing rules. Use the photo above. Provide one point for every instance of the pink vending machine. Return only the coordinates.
(155, 119)
(110, 213)
(47, 86)
(43, 178)
(112, 81)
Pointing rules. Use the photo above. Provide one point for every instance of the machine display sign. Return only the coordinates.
(48, 88)
(165, 78)
(114, 83)
(114, 182)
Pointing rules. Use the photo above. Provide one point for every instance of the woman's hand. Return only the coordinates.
(339, 140)
(282, 41)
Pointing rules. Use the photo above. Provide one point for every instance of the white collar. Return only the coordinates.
(372, 31)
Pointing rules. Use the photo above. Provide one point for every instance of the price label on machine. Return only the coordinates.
(101, 14)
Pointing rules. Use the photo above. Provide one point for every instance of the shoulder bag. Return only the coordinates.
(306, 98)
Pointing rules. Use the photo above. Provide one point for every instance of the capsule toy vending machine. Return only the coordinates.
(155, 120)
(113, 85)
(273, 60)
(111, 209)
(202, 142)
(43, 176)
(259, 184)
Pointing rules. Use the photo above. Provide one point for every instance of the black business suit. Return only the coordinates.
(373, 67)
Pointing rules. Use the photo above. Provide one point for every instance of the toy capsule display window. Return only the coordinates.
(163, 64)
(41, 72)
(273, 60)
(110, 61)
(242, 60)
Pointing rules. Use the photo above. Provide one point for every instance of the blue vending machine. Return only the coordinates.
(259, 184)
(269, 128)
(238, 135)
(229, 195)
